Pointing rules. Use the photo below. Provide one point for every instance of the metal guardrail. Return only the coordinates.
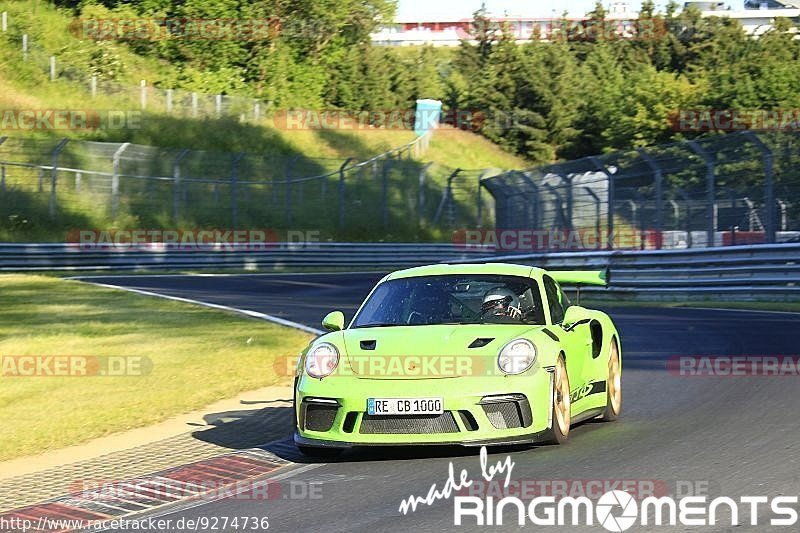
(60, 257)
(727, 273)
(735, 272)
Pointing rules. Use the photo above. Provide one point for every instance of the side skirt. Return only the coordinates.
(586, 415)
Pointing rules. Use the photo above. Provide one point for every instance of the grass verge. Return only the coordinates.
(197, 356)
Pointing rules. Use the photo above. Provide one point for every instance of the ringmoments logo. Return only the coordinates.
(616, 510)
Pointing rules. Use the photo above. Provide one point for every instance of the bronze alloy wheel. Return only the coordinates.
(562, 403)
(613, 385)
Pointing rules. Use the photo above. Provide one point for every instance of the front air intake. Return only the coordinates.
(411, 425)
(507, 411)
(318, 415)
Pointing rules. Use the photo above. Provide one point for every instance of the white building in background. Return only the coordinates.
(450, 31)
(757, 16)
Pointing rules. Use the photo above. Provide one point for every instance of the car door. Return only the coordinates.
(573, 342)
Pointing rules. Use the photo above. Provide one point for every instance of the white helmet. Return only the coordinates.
(501, 301)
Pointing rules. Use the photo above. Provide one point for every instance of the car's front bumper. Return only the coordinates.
(497, 410)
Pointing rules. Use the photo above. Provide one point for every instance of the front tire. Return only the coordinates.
(561, 405)
(613, 385)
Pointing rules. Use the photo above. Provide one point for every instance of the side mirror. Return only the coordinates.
(574, 317)
(333, 321)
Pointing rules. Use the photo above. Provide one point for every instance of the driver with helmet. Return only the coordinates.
(501, 302)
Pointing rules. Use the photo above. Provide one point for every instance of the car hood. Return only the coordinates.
(426, 352)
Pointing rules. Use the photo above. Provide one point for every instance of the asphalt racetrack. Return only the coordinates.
(721, 436)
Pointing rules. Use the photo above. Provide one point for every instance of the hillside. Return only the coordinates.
(26, 86)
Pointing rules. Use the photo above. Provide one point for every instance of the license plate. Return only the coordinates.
(404, 406)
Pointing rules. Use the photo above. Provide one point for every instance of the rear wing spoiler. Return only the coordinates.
(581, 277)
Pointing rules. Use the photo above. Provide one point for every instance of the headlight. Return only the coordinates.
(517, 356)
(322, 360)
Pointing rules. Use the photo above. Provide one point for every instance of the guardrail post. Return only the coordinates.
(479, 197)
(54, 176)
(769, 186)
(288, 196)
(562, 217)
(658, 177)
(194, 105)
(52, 68)
(176, 185)
(24, 46)
(451, 207)
(635, 216)
(784, 218)
(115, 179)
(423, 175)
(93, 87)
(711, 196)
(3, 168)
(610, 225)
(688, 218)
(169, 101)
(234, 189)
(446, 197)
(533, 209)
(342, 192)
(143, 94)
(4, 18)
(385, 192)
(597, 228)
(569, 202)
(752, 215)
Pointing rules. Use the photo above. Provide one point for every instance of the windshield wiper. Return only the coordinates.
(378, 325)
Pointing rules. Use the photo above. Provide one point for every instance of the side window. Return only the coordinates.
(566, 303)
(554, 300)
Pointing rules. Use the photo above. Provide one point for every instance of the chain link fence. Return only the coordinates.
(144, 97)
(60, 185)
(739, 188)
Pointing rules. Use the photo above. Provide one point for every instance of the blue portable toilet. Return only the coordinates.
(427, 116)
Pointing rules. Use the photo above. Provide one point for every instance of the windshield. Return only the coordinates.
(453, 299)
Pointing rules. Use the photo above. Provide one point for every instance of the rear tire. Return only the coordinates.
(613, 385)
(561, 406)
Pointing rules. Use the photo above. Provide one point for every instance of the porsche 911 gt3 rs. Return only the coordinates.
(459, 354)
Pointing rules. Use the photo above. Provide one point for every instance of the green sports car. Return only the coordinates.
(473, 354)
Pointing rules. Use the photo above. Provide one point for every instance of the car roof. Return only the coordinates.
(502, 269)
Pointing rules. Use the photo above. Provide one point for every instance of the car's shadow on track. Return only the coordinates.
(247, 428)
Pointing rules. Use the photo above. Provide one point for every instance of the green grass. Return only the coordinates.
(198, 356)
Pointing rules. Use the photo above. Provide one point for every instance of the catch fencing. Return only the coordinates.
(105, 67)
(57, 185)
(717, 190)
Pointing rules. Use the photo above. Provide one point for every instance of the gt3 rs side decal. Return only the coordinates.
(594, 387)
